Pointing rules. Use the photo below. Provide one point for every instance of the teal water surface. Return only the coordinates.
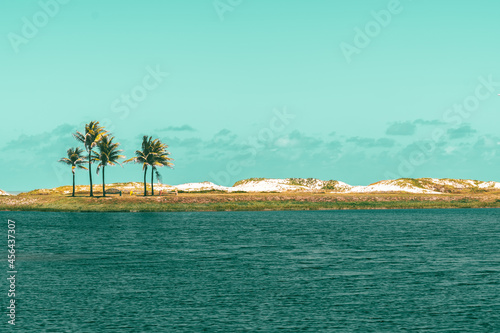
(327, 271)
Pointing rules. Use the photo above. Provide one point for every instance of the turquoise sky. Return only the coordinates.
(357, 91)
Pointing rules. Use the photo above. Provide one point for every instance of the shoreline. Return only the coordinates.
(199, 202)
(229, 210)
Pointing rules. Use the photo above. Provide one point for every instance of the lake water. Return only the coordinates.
(325, 271)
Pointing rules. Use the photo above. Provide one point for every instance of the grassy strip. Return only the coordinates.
(66, 204)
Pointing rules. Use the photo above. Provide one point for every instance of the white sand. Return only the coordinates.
(309, 185)
(204, 186)
(388, 187)
(489, 185)
(268, 185)
(457, 183)
(283, 185)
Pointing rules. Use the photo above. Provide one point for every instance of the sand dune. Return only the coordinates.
(407, 185)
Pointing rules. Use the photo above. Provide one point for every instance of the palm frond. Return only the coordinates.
(93, 134)
(108, 152)
(75, 158)
(79, 136)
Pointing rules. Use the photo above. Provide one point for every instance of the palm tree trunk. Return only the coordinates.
(90, 173)
(145, 191)
(73, 184)
(103, 183)
(152, 174)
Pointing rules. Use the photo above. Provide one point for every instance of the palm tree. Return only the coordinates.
(159, 158)
(90, 138)
(108, 154)
(144, 157)
(153, 153)
(75, 159)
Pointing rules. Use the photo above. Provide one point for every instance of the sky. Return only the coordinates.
(357, 91)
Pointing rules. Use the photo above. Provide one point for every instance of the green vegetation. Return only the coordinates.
(154, 154)
(76, 160)
(330, 185)
(246, 181)
(302, 181)
(159, 158)
(109, 154)
(90, 137)
(306, 182)
(312, 182)
(207, 191)
(143, 157)
(217, 201)
(409, 181)
(445, 185)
